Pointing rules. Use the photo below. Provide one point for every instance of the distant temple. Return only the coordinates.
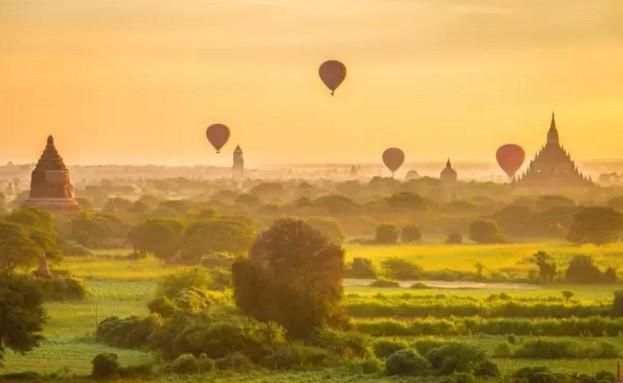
(552, 166)
(238, 168)
(448, 175)
(50, 187)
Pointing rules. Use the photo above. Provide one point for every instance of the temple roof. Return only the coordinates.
(50, 159)
(448, 170)
(552, 134)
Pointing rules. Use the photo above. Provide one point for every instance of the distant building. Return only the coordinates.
(448, 175)
(552, 166)
(238, 167)
(412, 175)
(50, 187)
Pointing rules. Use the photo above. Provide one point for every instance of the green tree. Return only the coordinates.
(546, 265)
(292, 276)
(160, 237)
(93, 229)
(17, 249)
(582, 269)
(411, 233)
(598, 225)
(225, 234)
(21, 314)
(386, 234)
(484, 231)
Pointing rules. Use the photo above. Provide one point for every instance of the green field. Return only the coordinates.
(122, 287)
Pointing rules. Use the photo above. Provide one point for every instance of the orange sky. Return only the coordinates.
(137, 81)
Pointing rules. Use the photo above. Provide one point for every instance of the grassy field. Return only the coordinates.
(495, 258)
(122, 287)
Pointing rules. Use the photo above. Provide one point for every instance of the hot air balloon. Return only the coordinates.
(217, 134)
(510, 158)
(332, 73)
(393, 159)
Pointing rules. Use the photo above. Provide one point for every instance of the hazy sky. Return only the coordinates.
(138, 81)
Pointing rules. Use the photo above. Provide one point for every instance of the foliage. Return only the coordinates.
(454, 238)
(401, 269)
(160, 237)
(556, 349)
(484, 231)
(172, 284)
(598, 225)
(189, 364)
(582, 269)
(93, 230)
(105, 365)
(330, 228)
(59, 288)
(21, 314)
(617, 304)
(384, 347)
(383, 282)
(411, 233)
(292, 276)
(407, 362)
(360, 268)
(17, 249)
(546, 265)
(131, 332)
(386, 234)
(456, 357)
(225, 234)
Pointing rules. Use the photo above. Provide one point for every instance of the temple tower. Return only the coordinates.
(448, 175)
(238, 167)
(50, 187)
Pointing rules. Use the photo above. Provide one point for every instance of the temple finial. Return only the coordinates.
(50, 140)
(553, 123)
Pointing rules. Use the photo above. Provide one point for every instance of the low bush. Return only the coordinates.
(456, 357)
(368, 365)
(189, 364)
(401, 269)
(461, 377)
(535, 375)
(296, 356)
(559, 349)
(60, 288)
(105, 365)
(384, 347)
(407, 362)
(171, 285)
(411, 233)
(131, 332)
(384, 283)
(343, 343)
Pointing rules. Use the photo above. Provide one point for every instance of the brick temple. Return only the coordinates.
(50, 187)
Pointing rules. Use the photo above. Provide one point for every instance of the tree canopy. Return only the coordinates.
(292, 276)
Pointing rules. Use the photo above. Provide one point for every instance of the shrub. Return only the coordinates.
(617, 304)
(455, 357)
(558, 349)
(486, 368)
(503, 350)
(131, 332)
(171, 285)
(535, 375)
(407, 362)
(461, 377)
(369, 365)
(234, 361)
(386, 234)
(295, 355)
(59, 288)
(105, 365)
(189, 364)
(420, 286)
(382, 282)
(330, 228)
(484, 231)
(424, 346)
(596, 225)
(385, 347)
(162, 306)
(361, 268)
(401, 269)
(343, 343)
(411, 233)
(454, 238)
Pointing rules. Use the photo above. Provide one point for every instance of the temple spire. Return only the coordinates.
(552, 134)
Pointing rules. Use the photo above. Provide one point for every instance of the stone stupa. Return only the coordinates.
(50, 187)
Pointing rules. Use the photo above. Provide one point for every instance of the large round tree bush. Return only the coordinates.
(292, 276)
